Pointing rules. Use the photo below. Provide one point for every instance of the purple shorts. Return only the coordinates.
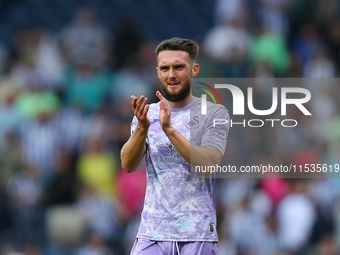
(148, 247)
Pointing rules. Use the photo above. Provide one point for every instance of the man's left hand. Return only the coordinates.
(165, 113)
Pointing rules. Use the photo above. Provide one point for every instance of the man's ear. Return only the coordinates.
(157, 71)
(195, 70)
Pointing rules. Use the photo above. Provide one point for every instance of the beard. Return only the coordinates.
(180, 95)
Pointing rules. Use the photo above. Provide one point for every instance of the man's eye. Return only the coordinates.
(179, 67)
(164, 68)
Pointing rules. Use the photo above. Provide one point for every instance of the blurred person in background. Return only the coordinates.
(146, 57)
(25, 41)
(101, 125)
(227, 10)
(35, 99)
(269, 47)
(122, 121)
(131, 193)
(48, 61)
(129, 80)
(11, 120)
(86, 84)
(319, 66)
(9, 250)
(95, 245)
(322, 237)
(274, 14)
(25, 194)
(10, 159)
(5, 220)
(63, 187)
(333, 38)
(38, 135)
(10, 154)
(85, 36)
(70, 123)
(127, 42)
(227, 44)
(3, 57)
(32, 248)
(307, 42)
(295, 216)
(230, 36)
(250, 224)
(96, 166)
(325, 12)
(103, 216)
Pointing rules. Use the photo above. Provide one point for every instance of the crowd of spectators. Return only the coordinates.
(65, 112)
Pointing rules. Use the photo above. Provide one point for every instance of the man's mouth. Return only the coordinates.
(173, 84)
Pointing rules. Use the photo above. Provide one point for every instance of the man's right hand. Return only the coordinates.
(140, 109)
(134, 149)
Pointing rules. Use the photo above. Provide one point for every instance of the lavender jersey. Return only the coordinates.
(179, 204)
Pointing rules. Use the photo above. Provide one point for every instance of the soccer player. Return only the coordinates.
(179, 214)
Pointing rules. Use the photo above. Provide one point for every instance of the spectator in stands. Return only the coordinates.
(269, 47)
(97, 167)
(274, 14)
(85, 36)
(48, 61)
(25, 197)
(9, 114)
(3, 57)
(10, 159)
(129, 80)
(85, 85)
(333, 38)
(101, 214)
(64, 186)
(35, 99)
(127, 43)
(40, 145)
(228, 37)
(307, 43)
(319, 66)
(95, 245)
(295, 215)
(227, 10)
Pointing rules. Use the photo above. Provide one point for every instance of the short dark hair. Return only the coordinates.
(176, 43)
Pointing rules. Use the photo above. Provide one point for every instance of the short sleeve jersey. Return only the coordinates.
(179, 205)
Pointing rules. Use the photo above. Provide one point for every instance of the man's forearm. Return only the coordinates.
(134, 149)
(193, 154)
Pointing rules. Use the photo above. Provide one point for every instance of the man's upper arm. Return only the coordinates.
(215, 135)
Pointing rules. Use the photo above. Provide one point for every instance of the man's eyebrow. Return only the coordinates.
(163, 66)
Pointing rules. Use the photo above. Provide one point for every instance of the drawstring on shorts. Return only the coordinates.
(173, 248)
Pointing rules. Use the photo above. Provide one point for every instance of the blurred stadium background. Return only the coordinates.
(67, 70)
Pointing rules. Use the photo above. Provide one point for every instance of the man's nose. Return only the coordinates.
(172, 73)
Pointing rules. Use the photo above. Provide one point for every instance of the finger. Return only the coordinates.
(142, 107)
(134, 97)
(161, 106)
(145, 112)
(140, 101)
(134, 102)
(164, 100)
(159, 95)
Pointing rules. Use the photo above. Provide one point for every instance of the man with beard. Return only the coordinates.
(179, 210)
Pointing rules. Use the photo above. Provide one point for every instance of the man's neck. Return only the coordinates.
(181, 103)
